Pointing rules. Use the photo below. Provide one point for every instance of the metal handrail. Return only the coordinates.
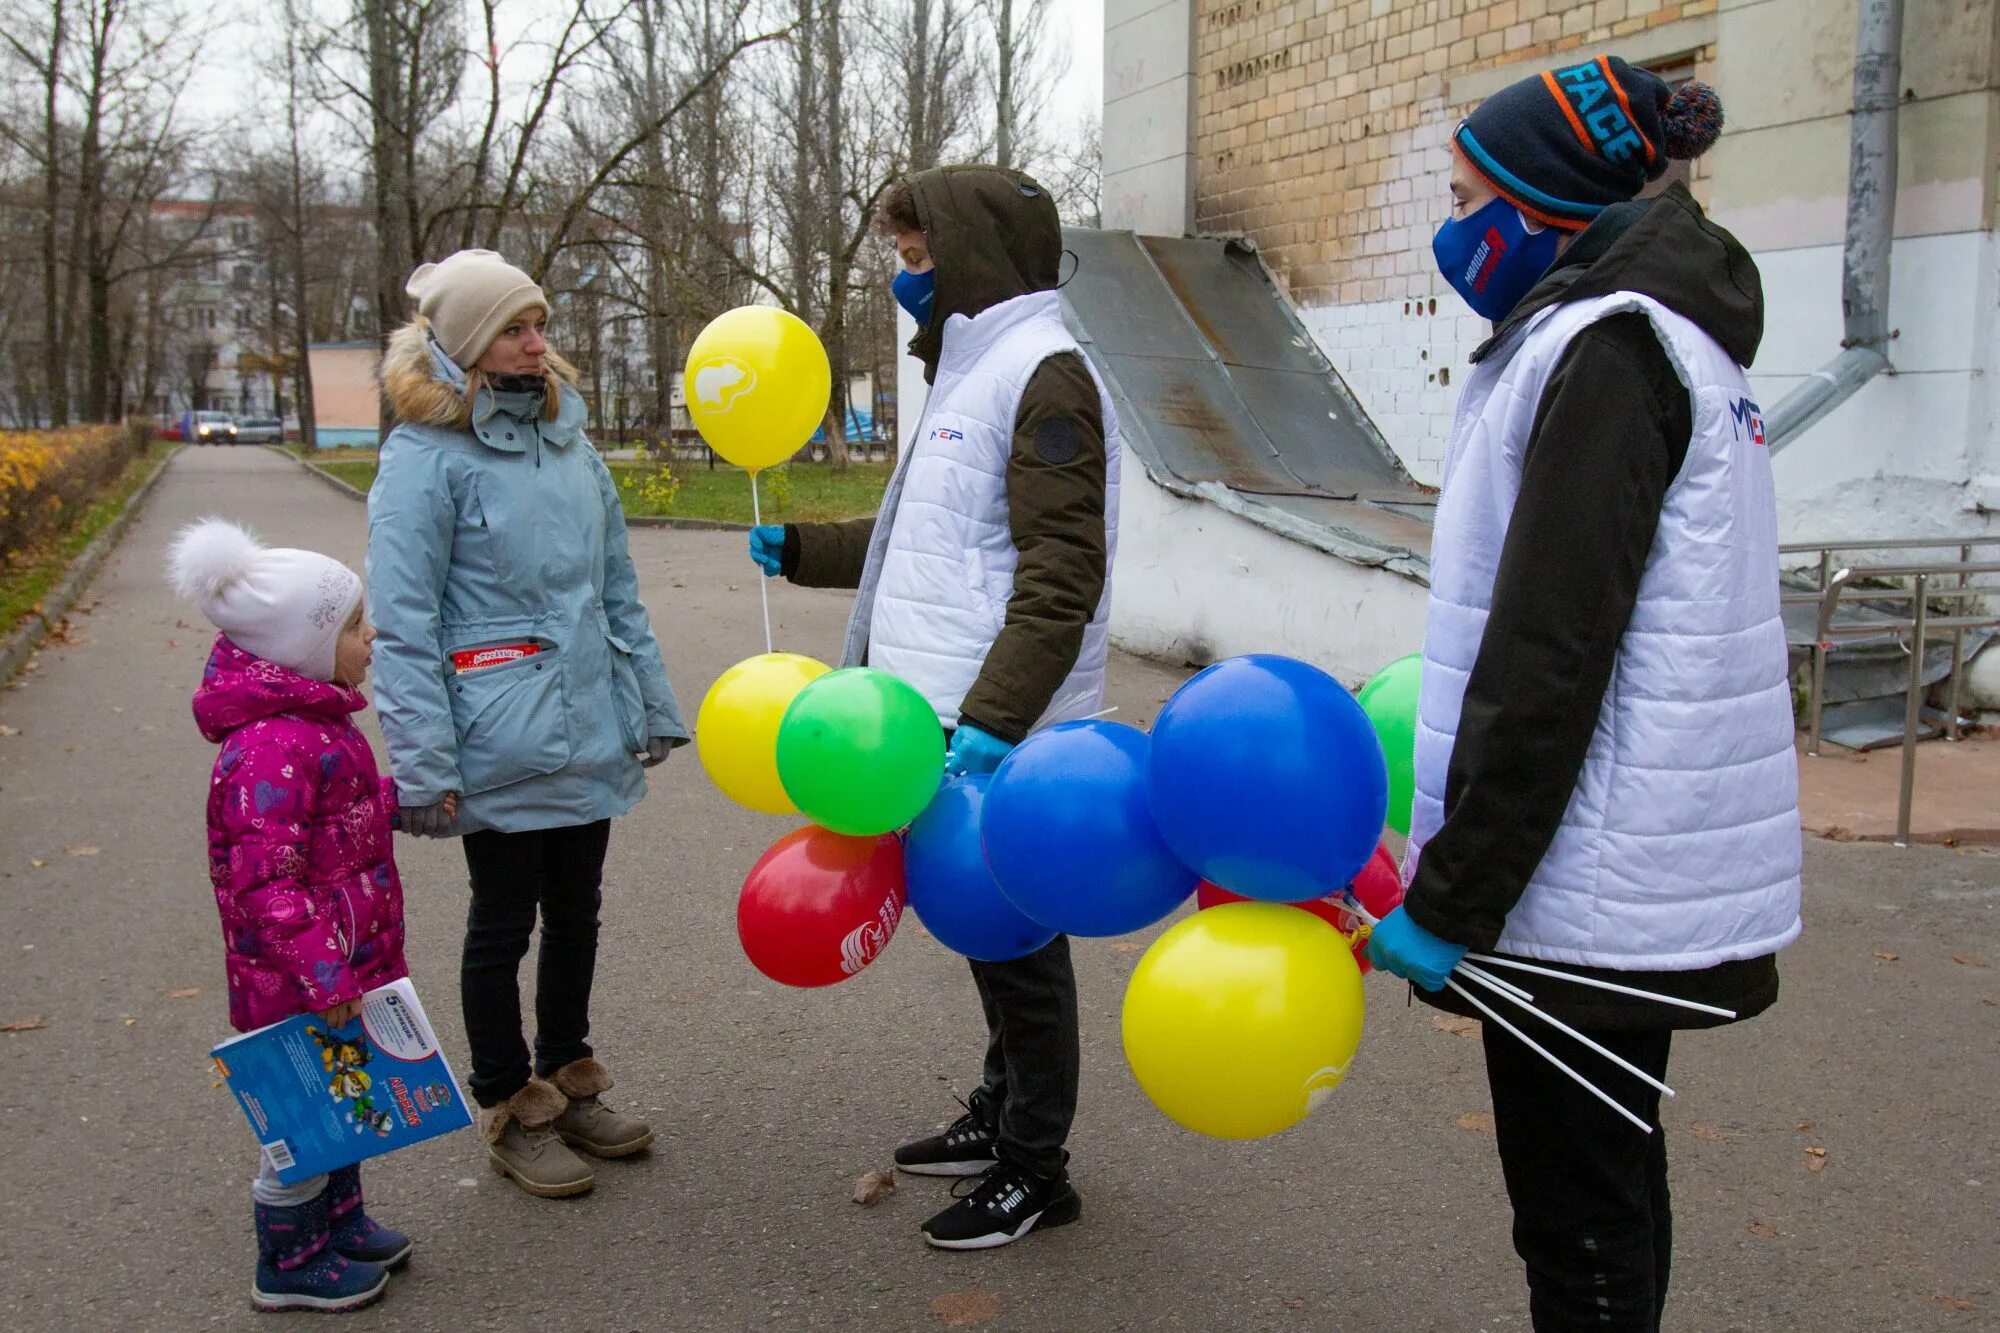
(1895, 544)
(1920, 624)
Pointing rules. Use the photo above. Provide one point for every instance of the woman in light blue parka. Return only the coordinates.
(516, 668)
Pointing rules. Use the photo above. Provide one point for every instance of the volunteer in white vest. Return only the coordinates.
(1605, 777)
(985, 583)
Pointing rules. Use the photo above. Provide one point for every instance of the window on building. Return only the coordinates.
(243, 276)
(239, 232)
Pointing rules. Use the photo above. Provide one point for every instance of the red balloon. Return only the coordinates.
(818, 907)
(1379, 888)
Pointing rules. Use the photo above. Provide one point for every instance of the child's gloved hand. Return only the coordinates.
(767, 548)
(659, 747)
(433, 820)
(1400, 945)
(973, 751)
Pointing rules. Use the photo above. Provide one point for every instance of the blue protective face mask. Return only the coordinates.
(1492, 259)
(913, 292)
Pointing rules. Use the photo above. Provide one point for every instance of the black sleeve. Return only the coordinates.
(1610, 435)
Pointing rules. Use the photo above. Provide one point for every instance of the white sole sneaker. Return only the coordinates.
(974, 1168)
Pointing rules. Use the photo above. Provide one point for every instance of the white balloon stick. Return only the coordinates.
(1494, 983)
(1593, 982)
(763, 579)
(1542, 1051)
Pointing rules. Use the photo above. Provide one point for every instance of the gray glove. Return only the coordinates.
(426, 821)
(659, 747)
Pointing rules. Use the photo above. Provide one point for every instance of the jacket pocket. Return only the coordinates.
(630, 699)
(512, 721)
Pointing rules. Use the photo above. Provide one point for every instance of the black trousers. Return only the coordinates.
(1032, 1055)
(558, 872)
(1592, 1218)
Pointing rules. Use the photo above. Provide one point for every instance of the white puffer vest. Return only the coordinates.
(940, 568)
(1680, 848)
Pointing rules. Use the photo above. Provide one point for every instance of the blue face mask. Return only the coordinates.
(1492, 259)
(913, 292)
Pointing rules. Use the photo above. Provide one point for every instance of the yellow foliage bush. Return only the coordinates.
(48, 477)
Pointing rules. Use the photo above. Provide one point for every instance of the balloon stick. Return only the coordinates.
(763, 580)
(1613, 986)
(1542, 1051)
(1494, 984)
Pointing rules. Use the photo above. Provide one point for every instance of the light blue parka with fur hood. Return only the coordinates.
(500, 530)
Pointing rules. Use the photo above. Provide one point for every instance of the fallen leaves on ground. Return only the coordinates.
(874, 1187)
(83, 851)
(1964, 961)
(1764, 1229)
(1457, 1027)
(1951, 1302)
(183, 992)
(962, 1309)
(1884, 956)
(129, 1020)
(1129, 946)
(35, 1024)
(1815, 1160)
(9, 731)
(1710, 1134)
(37, 862)
(1804, 1126)
(1476, 1121)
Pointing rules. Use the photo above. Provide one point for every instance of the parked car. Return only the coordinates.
(260, 430)
(168, 428)
(209, 428)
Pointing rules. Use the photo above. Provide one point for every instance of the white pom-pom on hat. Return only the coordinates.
(284, 605)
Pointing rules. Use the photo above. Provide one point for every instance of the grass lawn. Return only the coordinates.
(26, 579)
(799, 493)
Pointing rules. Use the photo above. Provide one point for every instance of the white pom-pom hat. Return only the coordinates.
(284, 605)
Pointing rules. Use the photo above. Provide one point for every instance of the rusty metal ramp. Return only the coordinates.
(1226, 397)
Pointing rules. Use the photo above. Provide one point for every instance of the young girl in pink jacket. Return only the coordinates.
(299, 824)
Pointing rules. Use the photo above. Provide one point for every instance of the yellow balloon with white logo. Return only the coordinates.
(758, 385)
(1241, 1019)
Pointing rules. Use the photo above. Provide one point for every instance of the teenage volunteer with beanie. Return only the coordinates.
(519, 671)
(984, 582)
(1605, 778)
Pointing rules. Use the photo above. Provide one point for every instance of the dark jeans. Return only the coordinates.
(1032, 1060)
(1592, 1218)
(513, 874)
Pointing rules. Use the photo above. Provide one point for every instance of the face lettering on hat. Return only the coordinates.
(1597, 111)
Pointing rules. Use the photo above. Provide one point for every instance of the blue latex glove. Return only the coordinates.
(973, 751)
(1400, 945)
(767, 548)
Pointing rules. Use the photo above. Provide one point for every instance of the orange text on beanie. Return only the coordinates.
(468, 298)
(285, 606)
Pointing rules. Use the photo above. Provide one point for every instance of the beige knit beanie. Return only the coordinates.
(468, 298)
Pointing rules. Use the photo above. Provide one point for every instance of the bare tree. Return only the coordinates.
(1022, 74)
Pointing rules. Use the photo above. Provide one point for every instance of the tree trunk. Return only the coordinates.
(1004, 39)
(295, 230)
(55, 363)
(834, 211)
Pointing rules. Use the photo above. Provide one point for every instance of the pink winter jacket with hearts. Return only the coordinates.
(298, 841)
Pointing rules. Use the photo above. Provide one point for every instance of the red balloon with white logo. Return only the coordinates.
(1379, 888)
(819, 906)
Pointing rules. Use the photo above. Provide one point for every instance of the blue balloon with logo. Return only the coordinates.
(950, 887)
(1069, 832)
(1267, 777)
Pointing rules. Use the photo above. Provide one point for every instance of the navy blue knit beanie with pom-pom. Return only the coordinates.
(1564, 145)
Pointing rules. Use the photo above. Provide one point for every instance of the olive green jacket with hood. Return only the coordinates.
(993, 236)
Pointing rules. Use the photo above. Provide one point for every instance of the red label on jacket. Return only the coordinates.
(472, 659)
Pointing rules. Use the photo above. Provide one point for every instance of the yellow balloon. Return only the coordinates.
(757, 385)
(736, 732)
(1240, 1019)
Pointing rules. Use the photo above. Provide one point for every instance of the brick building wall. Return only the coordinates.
(1321, 130)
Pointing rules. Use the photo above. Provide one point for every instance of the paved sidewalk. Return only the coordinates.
(123, 1178)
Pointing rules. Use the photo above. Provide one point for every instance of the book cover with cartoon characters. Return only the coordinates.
(319, 1098)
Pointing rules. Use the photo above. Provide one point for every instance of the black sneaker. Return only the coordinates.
(965, 1148)
(1005, 1205)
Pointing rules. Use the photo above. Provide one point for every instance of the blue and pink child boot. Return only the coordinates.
(355, 1234)
(298, 1267)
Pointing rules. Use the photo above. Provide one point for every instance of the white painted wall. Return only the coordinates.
(1149, 102)
(1195, 583)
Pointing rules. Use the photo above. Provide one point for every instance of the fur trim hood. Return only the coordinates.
(418, 395)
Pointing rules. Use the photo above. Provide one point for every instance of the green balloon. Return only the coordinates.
(860, 752)
(1390, 700)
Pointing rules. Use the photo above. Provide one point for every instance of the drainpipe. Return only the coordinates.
(1871, 220)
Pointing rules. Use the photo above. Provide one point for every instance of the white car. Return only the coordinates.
(212, 428)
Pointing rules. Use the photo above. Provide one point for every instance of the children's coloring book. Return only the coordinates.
(320, 1098)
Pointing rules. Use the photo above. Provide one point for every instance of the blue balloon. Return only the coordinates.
(1070, 836)
(1267, 777)
(950, 888)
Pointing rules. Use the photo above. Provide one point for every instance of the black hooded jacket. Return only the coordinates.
(1610, 436)
(994, 235)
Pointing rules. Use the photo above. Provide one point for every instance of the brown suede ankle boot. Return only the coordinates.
(521, 1143)
(589, 1124)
